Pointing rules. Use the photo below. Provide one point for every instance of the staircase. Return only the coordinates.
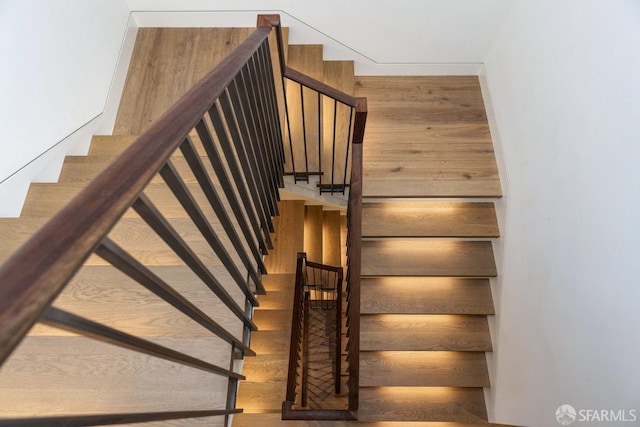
(428, 220)
(426, 262)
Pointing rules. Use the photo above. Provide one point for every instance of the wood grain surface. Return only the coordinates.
(427, 258)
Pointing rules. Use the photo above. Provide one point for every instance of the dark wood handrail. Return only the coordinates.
(323, 267)
(321, 87)
(33, 277)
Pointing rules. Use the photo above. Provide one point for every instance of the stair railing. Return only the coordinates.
(317, 286)
(357, 118)
(321, 125)
(233, 112)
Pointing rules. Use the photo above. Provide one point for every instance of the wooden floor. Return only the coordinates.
(427, 137)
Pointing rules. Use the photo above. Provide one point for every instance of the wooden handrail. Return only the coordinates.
(33, 277)
(321, 87)
(323, 266)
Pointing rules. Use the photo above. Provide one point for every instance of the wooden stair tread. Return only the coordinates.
(77, 375)
(426, 295)
(270, 320)
(444, 137)
(106, 295)
(420, 188)
(265, 367)
(46, 199)
(429, 219)
(109, 145)
(165, 63)
(279, 282)
(261, 395)
(424, 332)
(265, 341)
(422, 404)
(425, 369)
(139, 240)
(274, 420)
(276, 300)
(307, 58)
(428, 258)
(86, 168)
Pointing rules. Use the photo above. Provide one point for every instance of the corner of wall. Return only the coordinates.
(498, 244)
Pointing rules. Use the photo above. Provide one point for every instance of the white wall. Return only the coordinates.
(58, 65)
(564, 81)
(402, 37)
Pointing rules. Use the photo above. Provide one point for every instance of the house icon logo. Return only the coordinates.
(566, 415)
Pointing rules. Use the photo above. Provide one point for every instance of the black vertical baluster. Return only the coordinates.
(225, 144)
(123, 261)
(64, 320)
(253, 156)
(304, 134)
(214, 157)
(209, 190)
(333, 148)
(252, 174)
(240, 99)
(288, 120)
(253, 80)
(188, 202)
(274, 107)
(272, 116)
(259, 120)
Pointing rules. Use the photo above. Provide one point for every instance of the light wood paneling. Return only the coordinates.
(288, 238)
(331, 238)
(313, 233)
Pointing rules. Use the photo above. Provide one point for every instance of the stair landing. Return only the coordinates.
(427, 137)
